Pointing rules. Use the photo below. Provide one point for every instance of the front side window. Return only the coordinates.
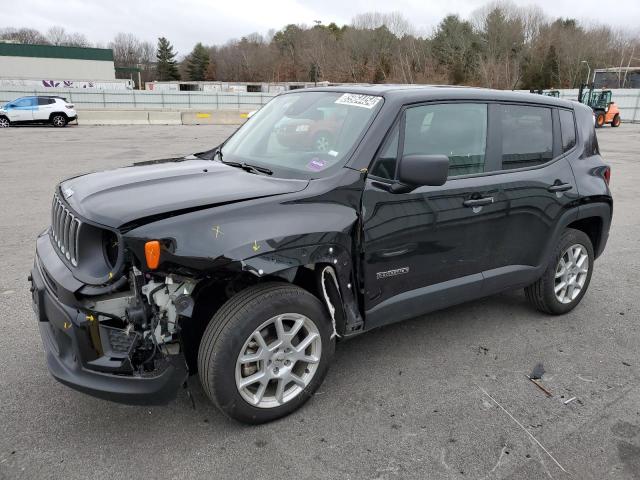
(568, 129)
(457, 130)
(527, 136)
(305, 134)
(25, 102)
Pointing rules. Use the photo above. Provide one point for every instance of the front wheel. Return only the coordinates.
(567, 277)
(59, 121)
(616, 120)
(600, 120)
(4, 122)
(265, 352)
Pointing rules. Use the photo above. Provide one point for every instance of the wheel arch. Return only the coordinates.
(594, 219)
(305, 267)
(53, 114)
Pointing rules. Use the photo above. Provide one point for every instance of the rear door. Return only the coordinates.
(45, 108)
(535, 185)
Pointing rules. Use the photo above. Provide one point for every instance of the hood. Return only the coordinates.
(138, 193)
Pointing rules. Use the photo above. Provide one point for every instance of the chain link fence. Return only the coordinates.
(147, 100)
(628, 100)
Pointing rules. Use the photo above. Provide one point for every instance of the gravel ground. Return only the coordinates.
(444, 396)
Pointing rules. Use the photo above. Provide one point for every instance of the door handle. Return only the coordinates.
(478, 202)
(560, 187)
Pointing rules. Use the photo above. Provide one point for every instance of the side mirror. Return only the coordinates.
(419, 170)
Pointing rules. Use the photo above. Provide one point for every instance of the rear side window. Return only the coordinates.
(568, 129)
(527, 136)
(45, 101)
(457, 130)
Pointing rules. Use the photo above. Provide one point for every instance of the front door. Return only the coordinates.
(21, 110)
(425, 249)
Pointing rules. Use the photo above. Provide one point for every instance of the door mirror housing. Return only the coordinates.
(421, 170)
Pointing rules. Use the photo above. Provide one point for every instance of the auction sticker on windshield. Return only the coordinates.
(357, 100)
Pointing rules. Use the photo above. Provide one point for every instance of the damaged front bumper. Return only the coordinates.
(70, 339)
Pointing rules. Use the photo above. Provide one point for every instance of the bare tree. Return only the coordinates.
(23, 35)
(58, 36)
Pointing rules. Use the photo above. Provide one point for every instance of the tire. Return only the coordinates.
(4, 122)
(542, 293)
(616, 120)
(599, 120)
(58, 120)
(233, 332)
(322, 142)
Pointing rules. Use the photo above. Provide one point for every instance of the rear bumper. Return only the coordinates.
(69, 349)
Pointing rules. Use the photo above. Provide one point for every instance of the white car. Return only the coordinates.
(42, 109)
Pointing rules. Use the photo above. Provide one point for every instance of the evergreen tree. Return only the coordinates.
(167, 67)
(198, 62)
(550, 68)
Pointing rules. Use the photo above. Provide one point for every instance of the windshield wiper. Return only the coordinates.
(247, 167)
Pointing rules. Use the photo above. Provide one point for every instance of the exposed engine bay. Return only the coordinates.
(134, 331)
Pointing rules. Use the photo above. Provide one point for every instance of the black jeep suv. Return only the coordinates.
(246, 263)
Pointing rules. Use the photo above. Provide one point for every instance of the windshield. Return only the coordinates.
(303, 135)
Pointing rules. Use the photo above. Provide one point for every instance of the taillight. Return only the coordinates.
(606, 174)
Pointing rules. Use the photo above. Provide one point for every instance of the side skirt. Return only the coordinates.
(420, 301)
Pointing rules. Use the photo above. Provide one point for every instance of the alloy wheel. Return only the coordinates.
(322, 144)
(571, 273)
(4, 123)
(278, 360)
(58, 121)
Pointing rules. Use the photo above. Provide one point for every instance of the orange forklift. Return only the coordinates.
(605, 111)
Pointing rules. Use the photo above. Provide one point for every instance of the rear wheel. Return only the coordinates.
(616, 120)
(599, 119)
(59, 120)
(265, 352)
(4, 122)
(567, 277)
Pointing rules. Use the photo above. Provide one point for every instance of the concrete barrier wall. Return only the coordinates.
(106, 117)
(165, 118)
(214, 117)
(158, 117)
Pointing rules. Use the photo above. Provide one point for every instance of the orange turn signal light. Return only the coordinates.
(152, 254)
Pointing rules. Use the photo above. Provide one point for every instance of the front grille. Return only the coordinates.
(65, 230)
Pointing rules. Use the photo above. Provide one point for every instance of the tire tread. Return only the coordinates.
(538, 292)
(221, 329)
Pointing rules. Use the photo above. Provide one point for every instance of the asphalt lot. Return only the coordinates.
(444, 396)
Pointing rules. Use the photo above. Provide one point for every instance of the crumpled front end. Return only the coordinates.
(118, 341)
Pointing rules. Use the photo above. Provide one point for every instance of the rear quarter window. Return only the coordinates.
(568, 129)
(527, 136)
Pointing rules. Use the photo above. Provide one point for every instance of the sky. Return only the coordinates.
(186, 22)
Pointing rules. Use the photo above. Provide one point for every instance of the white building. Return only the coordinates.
(52, 66)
